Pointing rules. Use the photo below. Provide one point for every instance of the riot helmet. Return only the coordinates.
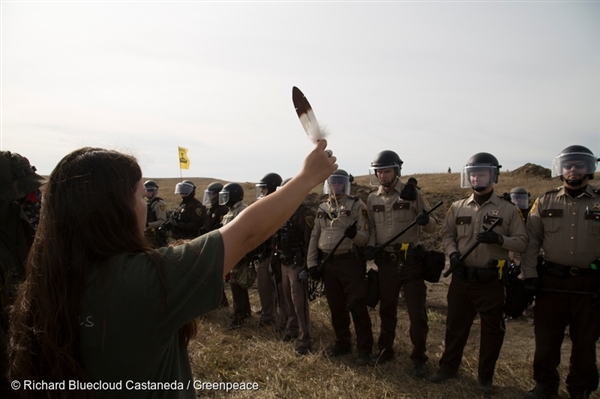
(151, 188)
(283, 183)
(480, 172)
(185, 188)
(231, 194)
(575, 160)
(211, 194)
(384, 160)
(338, 183)
(267, 185)
(520, 197)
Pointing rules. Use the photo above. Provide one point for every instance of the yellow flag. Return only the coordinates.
(184, 161)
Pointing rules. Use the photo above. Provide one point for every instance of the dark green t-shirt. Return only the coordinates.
(130, 321)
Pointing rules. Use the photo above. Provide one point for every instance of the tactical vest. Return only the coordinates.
(290, 239)
(151, 216)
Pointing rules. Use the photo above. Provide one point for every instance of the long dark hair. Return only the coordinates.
(87, 218)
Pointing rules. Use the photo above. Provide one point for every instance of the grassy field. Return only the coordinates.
(253, 354)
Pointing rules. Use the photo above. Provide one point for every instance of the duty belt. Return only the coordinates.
(340, 256)
(566, 271)
(401, 253)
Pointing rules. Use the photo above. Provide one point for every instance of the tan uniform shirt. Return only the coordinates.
(567, 229)
(466, 218)
(235, 210)
(159, 208)
(327, 233)
(389, 214)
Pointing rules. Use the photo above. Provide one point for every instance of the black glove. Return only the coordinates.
(350, 231)
(488, 237)
(422, 219)
(532, 284)
(173, 222)
(455, 261)
(315, 273)
(370, 253)
(303, 276)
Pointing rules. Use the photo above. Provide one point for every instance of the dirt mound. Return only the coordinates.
(532, 170)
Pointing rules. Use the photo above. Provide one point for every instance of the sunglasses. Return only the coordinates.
(578, 165)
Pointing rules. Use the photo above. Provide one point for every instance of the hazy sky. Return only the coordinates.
(434, 81)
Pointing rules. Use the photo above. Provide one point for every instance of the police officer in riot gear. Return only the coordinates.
(268, 277)
(520, 197)
(476, 286)
(156, 215)
(391, 208)
(216, 212)
(344, 273)
(565, 224)
(191, 214)
(290, 247)
(214, 216)
(232, 196)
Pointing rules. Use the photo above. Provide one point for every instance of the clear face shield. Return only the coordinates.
(151, 192)
(382, 176)
(573, 163)
(520, 200)
(209, 197)
(184, 188)
(337, 185)
(223, 197)
(261, 190)
(478, 177)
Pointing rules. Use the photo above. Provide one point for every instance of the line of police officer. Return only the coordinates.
(560, 248)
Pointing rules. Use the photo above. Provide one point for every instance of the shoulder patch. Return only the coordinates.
(162, 207)
(534, 206)
(310, 221)
(199, 211)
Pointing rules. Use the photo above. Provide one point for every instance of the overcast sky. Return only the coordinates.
(434, 81)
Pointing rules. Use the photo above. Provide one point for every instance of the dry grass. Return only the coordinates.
(250, 354)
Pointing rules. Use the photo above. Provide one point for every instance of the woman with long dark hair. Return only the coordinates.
(102, 312)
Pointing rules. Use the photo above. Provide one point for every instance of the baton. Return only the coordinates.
(471, 248)
(330, 254)
(404, 230)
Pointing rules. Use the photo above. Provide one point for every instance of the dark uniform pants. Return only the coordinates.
(465, 300)
(553, 313)
(346, 288)
(415, 295)
(241, 302)
(296, 301)
(268, 298)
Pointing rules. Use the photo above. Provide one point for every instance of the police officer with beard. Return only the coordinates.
(565, 224)
(392, 207)
(476, 286)
(156, 215)
(17, 180)
(345, 271)
(191, 214)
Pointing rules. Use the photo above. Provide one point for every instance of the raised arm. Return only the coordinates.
(263, 218)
